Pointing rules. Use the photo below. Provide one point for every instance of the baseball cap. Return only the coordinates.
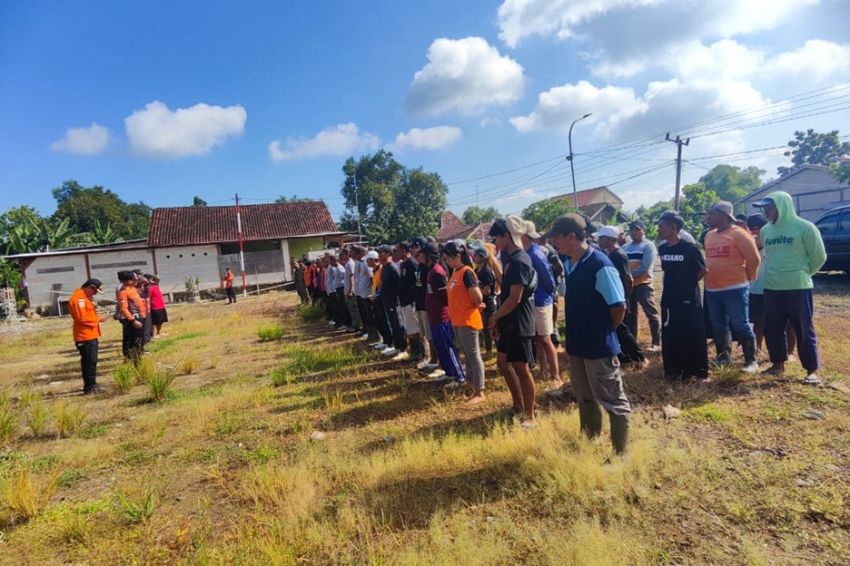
(431, 249)
(418, 242)
(756, 221)
(637, 225)
(531, 230)
(512, 225)
(126, 276)
(571, 223)
(96, 283)
(479, 249)
(672, 216)
(608, 232)
(371, 254)
(385, 249)
(763, 202)
(723, 207)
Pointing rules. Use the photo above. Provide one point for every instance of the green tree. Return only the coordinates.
(83, 206)
(392, 202)
(732, 183)
(544, 212)
(293, 198)
(811, 147)
(697, 200)
(198, 201)
(475, 215)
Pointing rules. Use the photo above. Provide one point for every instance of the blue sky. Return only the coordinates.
(160, 101)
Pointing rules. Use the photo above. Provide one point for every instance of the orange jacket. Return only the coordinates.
(462, 311)
(86, 319)
(228, 280)
(131, 304)
(731, 257)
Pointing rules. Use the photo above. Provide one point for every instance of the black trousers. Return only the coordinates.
(88, 361)
(684, 348)
(399, 338)
(367, 315)
(132, 341)
(630, 351)
(231, 295)
(381, 321)
(342, 316)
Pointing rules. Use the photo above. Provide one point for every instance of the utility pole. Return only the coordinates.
(357, 206)
(679, 143)
(570, 159)
(241, 247)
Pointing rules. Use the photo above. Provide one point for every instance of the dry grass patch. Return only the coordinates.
(26, 495)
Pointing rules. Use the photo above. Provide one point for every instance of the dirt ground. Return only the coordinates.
(360, 460)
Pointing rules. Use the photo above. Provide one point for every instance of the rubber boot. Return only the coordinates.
(619, 433)
(748, 345)
(590, 417)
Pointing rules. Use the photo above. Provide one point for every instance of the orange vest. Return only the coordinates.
(462, 311)
(86, 320)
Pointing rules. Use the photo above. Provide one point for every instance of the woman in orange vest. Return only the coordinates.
(465, 305)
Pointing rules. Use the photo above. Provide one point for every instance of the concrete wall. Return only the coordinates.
(298, 247)
(62, 273)
(176, 264)
(106, 265)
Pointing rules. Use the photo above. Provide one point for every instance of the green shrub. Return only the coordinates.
(124, 376)
(306, 360)
(160, 385)
(36, 417)
(309, 313)
(135, 508)
(269, 333)
(8, 419)
(70, 418)
(145, 368)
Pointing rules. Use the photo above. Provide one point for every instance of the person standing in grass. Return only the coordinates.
(684, 349)
(132, 311)
(227, 283)
(429, 354)
(595, 307)
(544, 297)
(512, 324)
(794, 252)
(487, 285)
(642, 253)
(87, 331)
(607, 237)
(386, 338)
(437, 305)
(409, 269)
(465, 305)
(732, 260)
(390, 288)
(349, 298)
(362, 291)
(159, 315)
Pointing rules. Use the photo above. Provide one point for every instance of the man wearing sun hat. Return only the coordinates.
(87, 331)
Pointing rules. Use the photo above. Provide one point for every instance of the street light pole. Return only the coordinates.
(357, 206)
(570, 159)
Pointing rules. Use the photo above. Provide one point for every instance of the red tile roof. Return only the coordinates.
(451, 227)
(588, 196)
(212, 224)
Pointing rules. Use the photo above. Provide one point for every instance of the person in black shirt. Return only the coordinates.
(684, 349)
(407, 301)
(607, 237)
(513, 323)
(487, 283)
(428, 354)
(390, 288)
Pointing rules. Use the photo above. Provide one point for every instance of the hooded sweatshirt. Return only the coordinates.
(793, 248)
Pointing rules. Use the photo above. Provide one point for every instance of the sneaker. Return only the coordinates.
(365, 336)
(342, 328)
(437, 374)
(654, 349)
(456, 384)
(380, 346)
(401, 357)
(427, 366)
(528, 425)
(331, 323)
(775, 369)
(389, 351)
(752, 367)
(812, 379)
(423, 364)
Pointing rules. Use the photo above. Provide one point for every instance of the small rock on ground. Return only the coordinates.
(814, 414)
(317, 435)
(671, 412)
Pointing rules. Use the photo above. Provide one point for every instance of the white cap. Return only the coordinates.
(371, 254)
(531, 230)
(610, 231)
(516, 228)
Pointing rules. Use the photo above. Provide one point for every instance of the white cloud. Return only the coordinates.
(428, 139)
(83, 141)
(157, 131)
(558, 107)
(724, 59)
(816, 61)
(623, 37)
(465, 75)
(340, 140)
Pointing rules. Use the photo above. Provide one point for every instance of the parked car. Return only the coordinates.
(834, 226)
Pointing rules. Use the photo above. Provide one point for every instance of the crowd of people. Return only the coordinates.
(445, 306)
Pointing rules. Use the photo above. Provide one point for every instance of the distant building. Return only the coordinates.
(600, 204)
(183, 242)
(812, 187)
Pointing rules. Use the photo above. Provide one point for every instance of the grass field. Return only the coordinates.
(252, 435)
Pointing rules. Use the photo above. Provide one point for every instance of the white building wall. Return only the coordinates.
(106, 265)
(61, 273)
(176, 264)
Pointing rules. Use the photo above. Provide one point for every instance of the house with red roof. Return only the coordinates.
(197, 242)
(599, 204)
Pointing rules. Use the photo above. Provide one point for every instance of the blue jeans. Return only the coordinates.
(729, 310)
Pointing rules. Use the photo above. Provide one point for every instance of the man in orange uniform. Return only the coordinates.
(227, 283)
(132, 311)
(87, 331)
